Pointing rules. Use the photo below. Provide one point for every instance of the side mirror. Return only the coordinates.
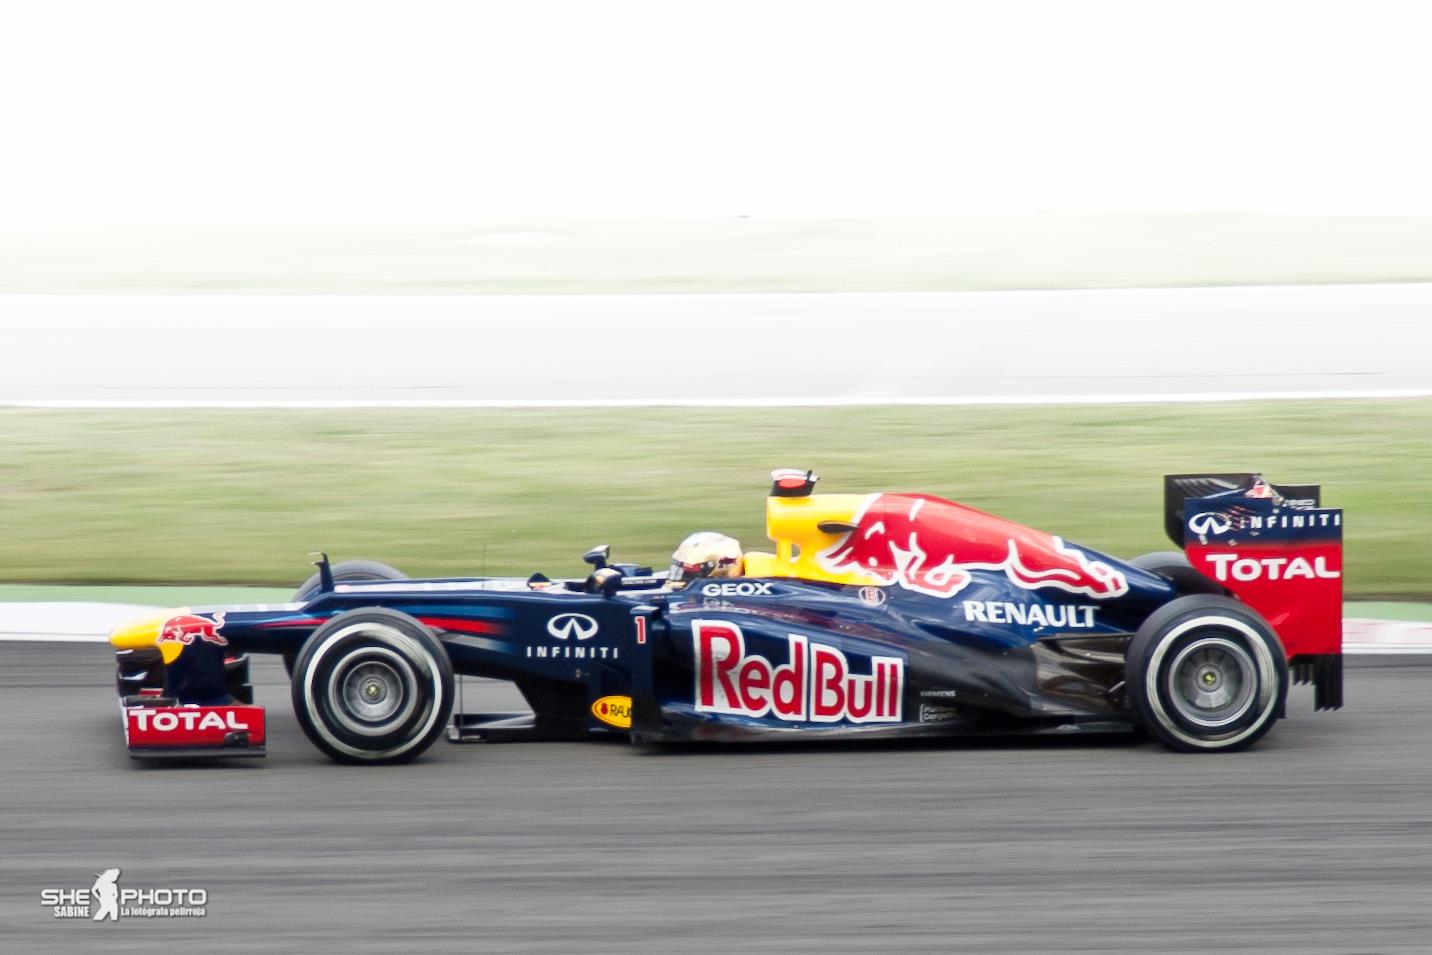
(604, 581)
(325, 572)
(598, 555)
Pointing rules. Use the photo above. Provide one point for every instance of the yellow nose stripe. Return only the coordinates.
(143, 633)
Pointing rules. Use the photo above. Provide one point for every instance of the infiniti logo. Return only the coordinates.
(564, 626)
(1208, 523)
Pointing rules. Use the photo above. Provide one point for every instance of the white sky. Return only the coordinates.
(259, 112)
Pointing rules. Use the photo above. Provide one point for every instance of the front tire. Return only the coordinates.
(1206, 673)
(372, 686)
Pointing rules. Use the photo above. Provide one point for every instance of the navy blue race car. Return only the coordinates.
(875, 615)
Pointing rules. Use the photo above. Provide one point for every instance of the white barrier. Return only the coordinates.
(241, 351)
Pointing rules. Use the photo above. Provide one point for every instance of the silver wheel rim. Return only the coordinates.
(1268, 691)
(372, 691)
(431, 675)
(350, 691)
(1212, 682)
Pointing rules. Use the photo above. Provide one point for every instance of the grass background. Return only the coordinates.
(241, 497)
(739, 254)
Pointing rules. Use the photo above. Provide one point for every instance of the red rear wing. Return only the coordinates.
(1283, 557)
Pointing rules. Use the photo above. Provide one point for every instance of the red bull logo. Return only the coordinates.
(816, 685)
(188, 627)
(930, 545)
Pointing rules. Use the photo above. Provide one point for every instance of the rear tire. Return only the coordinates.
(1206, 673)
(1174, 565)
(372, 686)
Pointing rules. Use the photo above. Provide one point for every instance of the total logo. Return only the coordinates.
(816, 685)
(568, 625)
(178, 720)
(172, 727)
(1235, 567)
(106, 901)
(1209, 522)
(744, 588)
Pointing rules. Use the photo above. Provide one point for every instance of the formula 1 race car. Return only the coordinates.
(877, 615)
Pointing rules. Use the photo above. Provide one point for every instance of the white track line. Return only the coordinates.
(767, 402)
(58, 621)
(1371, 637)
(1364, 650)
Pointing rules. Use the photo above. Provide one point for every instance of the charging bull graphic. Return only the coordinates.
(188, 627)
(930, 545)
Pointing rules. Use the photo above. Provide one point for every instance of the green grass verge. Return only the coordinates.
(736, 254)
(1390, 610)
(242, 497)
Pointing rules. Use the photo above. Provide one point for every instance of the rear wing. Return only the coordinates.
(1178, 488)
(1275, 548)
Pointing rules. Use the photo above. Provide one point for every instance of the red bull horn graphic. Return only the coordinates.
(188, 627)
(930, 545)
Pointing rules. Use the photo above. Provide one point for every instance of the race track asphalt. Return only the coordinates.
(1319, 840)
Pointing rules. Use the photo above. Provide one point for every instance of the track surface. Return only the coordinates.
(1320, 840)
(971, 346)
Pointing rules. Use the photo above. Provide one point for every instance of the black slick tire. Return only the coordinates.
(1174, 565)
(1206, 673)
(372, 686)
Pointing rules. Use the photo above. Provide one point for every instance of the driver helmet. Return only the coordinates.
(705, 554)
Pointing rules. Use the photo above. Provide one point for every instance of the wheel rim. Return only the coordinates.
(1212, 682)
(372, 691)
